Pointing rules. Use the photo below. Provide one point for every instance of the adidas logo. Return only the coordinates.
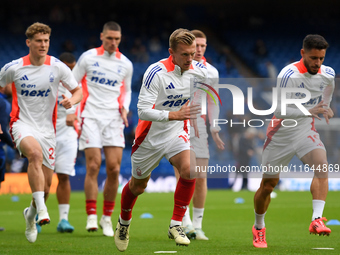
(170, 86)
(24, 78)
(96, 64)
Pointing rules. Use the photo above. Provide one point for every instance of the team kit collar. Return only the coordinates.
(27, 61)
(102, 51)
(170, 66)
(302, 68)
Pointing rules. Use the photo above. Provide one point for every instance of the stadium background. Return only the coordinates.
(246, 39)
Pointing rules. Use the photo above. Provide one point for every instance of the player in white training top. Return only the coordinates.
(163, 131)
(285, 141)
(66, 151)
(35, 79)
(106, 81)
(200, 144)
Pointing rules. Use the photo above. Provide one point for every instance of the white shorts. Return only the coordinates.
(144, 160)
(201, 146)
(48, 144)
(97, 133)
(280, 153)
(66, 154)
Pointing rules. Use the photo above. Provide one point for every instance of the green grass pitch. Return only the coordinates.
(228, 225)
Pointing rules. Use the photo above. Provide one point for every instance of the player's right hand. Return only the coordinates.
(188, 112)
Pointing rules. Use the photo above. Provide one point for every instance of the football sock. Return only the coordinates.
(127, 202)
(39, 200)
(197, 217)
(108, 207)
(124, 222)
(63, 211)
(259, 220)
(32, 211)
(183, 194)
(186, 218)
(175, 223)
(318, 206)
(91, 207)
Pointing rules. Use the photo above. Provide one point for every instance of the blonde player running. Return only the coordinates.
(302, 140)
(163, 131)
(193, 229)
(35, 79)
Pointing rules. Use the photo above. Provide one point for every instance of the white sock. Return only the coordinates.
(318, 206)
(39, 200)
(124, 222)
(186, 218)
(31, 213)
(63, 211)
(259, 220)
(197, 217)
(175, 223)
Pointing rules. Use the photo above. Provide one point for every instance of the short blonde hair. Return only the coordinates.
(181, 35)
(37, 28)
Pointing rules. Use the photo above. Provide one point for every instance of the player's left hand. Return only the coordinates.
(217, 140)
(0, 131)
(123, 113)
(329, 114)
(66, 102)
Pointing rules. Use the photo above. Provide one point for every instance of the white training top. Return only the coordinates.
(213, 108)
(106, 83)
(321, 87)
(164, 89)
(34, 91)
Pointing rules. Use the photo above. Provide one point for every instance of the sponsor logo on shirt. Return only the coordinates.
(104, 81)
(28, 85)
(35, 93)
(175, 103)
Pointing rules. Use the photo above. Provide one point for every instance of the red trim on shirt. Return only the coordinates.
(142, 130)
(100, 50)
(185, 127)
(15, 109)
(169, 65)
(47, 60)
(55, 116)
(302, 68)
(272, 129)
(85, 94)
(27, 61)
(121, 97)
(118, 54)
(313, 125)
(204, 61)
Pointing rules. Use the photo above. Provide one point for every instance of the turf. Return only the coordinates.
(228, 225)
